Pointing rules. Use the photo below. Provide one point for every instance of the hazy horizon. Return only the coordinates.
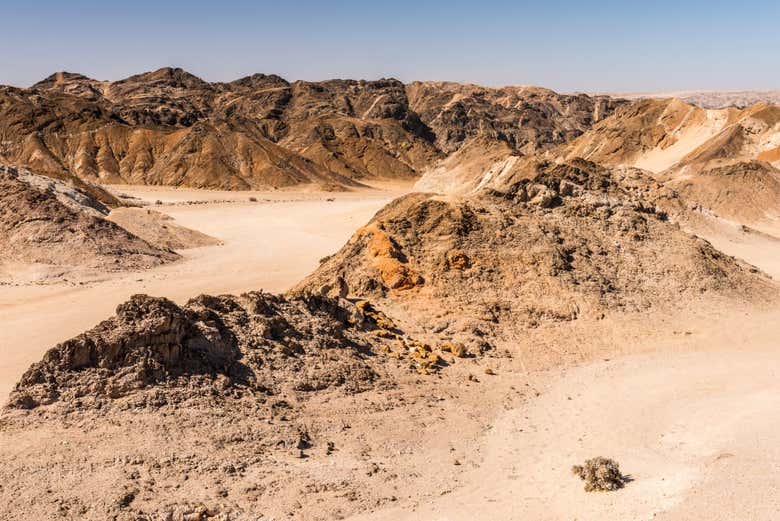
(604, 46)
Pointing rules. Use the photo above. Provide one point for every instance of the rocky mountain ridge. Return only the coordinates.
(171, 127)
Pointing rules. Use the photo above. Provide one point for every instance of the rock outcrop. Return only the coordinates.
(158, 352)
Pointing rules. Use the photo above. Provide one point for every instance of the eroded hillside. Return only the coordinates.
(47, 224)
(169, 127)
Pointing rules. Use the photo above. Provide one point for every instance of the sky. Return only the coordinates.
(588, 46)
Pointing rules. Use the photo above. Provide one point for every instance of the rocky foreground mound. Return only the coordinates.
(223, 408)
(556, 244)
(252, 345)
(49, 223)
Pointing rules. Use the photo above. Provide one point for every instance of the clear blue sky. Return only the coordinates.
(566, 45)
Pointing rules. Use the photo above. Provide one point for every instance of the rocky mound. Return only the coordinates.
(170, 127)
(66, 192)
(158, 352)
(745, 192)
(556, 244)
(210, 401)
(46, 222)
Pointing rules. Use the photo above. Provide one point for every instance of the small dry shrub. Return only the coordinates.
(600, 474)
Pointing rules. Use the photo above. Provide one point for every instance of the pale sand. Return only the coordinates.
(267, 245)
(689, 138)
(697, 432)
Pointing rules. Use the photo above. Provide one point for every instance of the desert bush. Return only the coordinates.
(600, 474)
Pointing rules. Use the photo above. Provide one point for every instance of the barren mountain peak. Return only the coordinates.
(173, 74)
(61, 77)
(260, 80)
